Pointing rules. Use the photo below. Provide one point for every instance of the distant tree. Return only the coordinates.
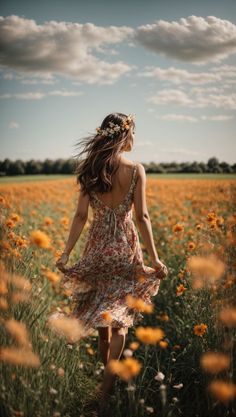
(203, 166)
(225, 167)
(213, 165)
(57, 166)
(5, 165)
(151, 167)
(47, 167)
(233, 167)
(194, 167)
(16, 168)
(33, 167)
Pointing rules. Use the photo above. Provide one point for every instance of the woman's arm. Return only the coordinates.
(142, 215)
(78, 222)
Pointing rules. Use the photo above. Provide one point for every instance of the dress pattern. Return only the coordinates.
(110, 268)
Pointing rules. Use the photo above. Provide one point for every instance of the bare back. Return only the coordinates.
(120, 185)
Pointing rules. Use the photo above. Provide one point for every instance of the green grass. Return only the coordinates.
(26, 178)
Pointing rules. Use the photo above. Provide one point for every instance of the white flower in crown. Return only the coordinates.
(115, 127)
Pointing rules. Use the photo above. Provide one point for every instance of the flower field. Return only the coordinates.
(180, 361)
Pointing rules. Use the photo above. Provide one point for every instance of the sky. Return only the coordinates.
(66, 65)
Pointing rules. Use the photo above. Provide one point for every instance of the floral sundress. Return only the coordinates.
(110, 268)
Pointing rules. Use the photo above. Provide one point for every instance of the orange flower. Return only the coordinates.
(40, 239)
(90, 350)
(52, 276)
(126, 368)
(178, 227)
(71, 328)
(163, 344)
(214, 362)
(200, 329)
(17, 356)
(19, 331)
(138, 304)
(15, 217)
(134, 345)
(222, 390)
(149, 335)
(205, 270)
(106, 316)
(3, 304)
(191, 245)
(162, 316)
(180, 289)
(228, 316)
(48, 221)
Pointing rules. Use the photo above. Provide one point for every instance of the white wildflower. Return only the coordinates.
(159, 376)
(128, 353)
(178, 386)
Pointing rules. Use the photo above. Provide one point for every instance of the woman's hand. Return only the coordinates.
(62, 261)
(160, 268)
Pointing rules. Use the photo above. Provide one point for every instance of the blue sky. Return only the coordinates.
(65, 65)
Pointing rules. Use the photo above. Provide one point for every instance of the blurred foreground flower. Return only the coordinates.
(150, 335)
(126, 368)
(15, 356)
(214, 362)
(71, 328)
(228, 316)
(40, 239)
(222, 390)
(205, 270)
(138, 304)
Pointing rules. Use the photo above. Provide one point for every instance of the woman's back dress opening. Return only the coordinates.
(110, 268)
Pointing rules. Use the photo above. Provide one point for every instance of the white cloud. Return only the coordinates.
(63, 48)
(199, 100)
(218, 118)
(13, 125)
(39, 95)
(178, 118)
(207, 90)
(168, 96)
(187, 118)
(193, 39)
(177, 76)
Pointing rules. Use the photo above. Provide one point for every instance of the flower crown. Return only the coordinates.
(113, 128)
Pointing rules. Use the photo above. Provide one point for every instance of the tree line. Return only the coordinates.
(67, 166)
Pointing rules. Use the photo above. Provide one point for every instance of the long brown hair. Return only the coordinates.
(94, 172)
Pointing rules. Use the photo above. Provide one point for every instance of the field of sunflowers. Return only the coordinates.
(180, 361)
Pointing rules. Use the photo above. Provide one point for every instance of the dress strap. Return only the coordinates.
(134, 178)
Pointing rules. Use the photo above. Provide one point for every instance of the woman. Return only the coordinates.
(111, 266)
